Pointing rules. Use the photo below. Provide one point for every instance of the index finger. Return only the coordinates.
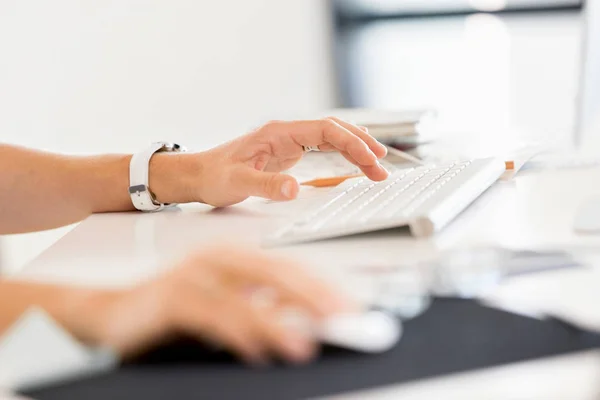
(379, 149)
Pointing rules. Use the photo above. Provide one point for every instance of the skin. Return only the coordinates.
(209, 295)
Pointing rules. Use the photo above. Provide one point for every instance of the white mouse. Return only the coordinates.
(587, 219)
(368, 332)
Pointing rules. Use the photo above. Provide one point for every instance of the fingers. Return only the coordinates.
(323, 132)
(287, 342)
(219, 322)
(362, 132)
(374, 172)
(252, 333)
(344, 140)
(209, 297)
(290, 280)
(270, 185)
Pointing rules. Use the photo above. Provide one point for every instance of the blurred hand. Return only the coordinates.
(209, 297)
(251, 165)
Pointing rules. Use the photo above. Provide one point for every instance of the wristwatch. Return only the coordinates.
(141, 196)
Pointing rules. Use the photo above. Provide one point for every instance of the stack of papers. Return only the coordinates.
(386, 125)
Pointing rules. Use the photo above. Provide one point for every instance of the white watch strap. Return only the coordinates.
(139, 191)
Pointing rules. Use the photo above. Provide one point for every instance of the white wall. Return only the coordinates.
(490, 74)
(89, 76)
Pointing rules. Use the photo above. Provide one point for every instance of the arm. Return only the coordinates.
(40, 190)
(205, 297)
(67, 305)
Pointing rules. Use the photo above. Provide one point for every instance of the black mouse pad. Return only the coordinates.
(452, 336)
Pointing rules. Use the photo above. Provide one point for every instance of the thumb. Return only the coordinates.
(270, 185)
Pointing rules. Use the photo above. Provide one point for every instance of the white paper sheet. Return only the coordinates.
(37, 351)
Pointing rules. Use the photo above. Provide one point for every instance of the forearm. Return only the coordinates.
(81, 311)
(40, 190)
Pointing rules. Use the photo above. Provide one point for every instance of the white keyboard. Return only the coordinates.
(425, 199)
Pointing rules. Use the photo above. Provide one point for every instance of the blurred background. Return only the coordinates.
(89, 76)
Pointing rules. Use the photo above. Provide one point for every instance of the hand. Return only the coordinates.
(251, 164)
(209, 297)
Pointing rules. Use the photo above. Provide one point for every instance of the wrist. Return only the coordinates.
(126, 321)
(175, 177)
(88, 313)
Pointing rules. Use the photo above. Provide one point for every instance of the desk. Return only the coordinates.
(534, 210)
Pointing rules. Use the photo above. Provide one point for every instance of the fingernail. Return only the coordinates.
(387, 173)
(364, 128)
(287, 189)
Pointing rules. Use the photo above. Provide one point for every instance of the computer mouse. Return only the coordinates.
(366, 332)
(587, 218)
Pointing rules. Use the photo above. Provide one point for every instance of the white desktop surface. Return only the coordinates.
(534, 210)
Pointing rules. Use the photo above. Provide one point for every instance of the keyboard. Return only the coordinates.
(425, 199)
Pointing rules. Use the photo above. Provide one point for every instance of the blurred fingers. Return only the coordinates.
(289, 280)
(205, 317)
(283, 341)
(254, 334)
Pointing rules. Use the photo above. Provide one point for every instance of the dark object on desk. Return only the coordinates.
(452, 336)
(407, 143)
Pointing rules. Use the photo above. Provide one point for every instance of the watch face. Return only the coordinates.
(171, 147)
